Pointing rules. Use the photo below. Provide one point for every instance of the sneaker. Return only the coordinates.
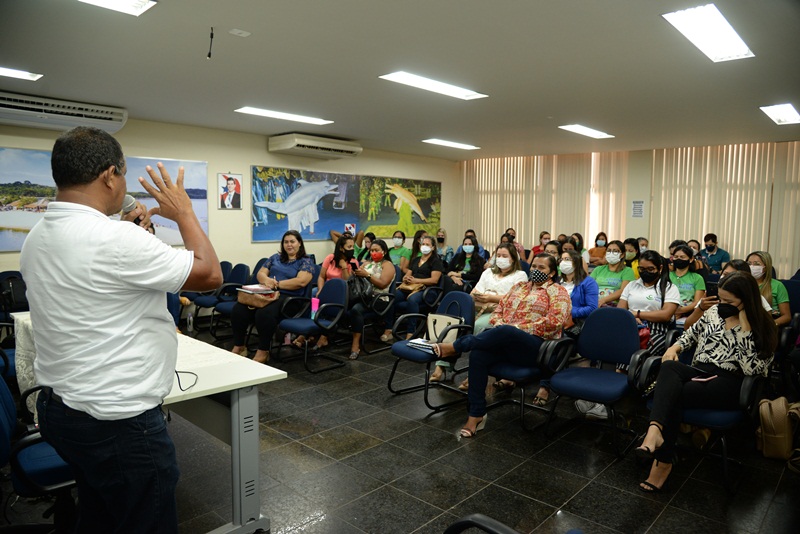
(591, 410)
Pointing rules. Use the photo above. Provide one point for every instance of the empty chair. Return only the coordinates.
(239, 276)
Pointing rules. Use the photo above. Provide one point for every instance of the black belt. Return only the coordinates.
(53, 396)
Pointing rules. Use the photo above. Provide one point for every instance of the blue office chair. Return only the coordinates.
(239, 276)
(226, 268)
(332, 307)
(381, 305)
(8, 361)
(455, 304)
(12, 295)
(524, 266)
(36, 469)
(787, 338)
(224, 308)
(609, 335)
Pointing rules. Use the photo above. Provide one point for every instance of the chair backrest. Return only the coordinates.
(458, 304)
(240, 274)
(525, 266)
(793, 288)
(226, 267)
(609, 335)
(8, 422)
(254, 273)
(398, 274)
(334, 291)
(12, 292)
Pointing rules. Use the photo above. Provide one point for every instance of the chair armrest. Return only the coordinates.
(644, 372)
(479, 521)
(466, 328)
(747, 393)
(227, 289)
(295, 300)
(437, 292)
(672, 336)
(26, 416)
(320, 315)
(387, 304)
(28, 441)
(555, 353)
(421, 325)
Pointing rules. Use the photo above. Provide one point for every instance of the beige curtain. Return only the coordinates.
(609, 196)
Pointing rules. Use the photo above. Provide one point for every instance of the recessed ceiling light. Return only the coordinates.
(21, 74)
(709, 31)
(450, 144)
(782, 114)
(427, 84)
(589, 132)
(129, 7)
(239, 33)
(283, 116)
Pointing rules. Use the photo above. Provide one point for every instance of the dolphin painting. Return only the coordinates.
(301, 205)
(407, 197)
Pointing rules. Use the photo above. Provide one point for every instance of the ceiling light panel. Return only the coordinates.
(451, 144)
(21, 74)
(709, 31)
(282, 116)
(782, 114)
(420, 82)
(583, 130)
(129, 7)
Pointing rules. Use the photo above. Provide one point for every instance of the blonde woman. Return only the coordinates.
(774, 291)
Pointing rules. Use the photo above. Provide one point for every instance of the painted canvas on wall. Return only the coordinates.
(27, 187)
(314, 203)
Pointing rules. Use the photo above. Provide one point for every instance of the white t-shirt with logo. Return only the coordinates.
(642, 298)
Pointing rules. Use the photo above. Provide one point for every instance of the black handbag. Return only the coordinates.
(359, 289)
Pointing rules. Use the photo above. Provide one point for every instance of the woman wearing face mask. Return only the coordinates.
(425, 269)
(733, 339)
(362, 251)
(691, 285)
(380, 273)
(774, 291)
(572, 244)
(530, 313)
(492, 286)
(643, 244)
(399, 254)
(340, 264)
(597, 254)
(632, 255)
(444, 250)
(513, 234)
(505, 238)
(544, 239)
(580, 246)
(416, 242)
(466, 267)
(696, 264)
(583, 293)
(613, 277)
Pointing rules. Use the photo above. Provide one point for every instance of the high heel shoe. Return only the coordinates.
(643, 452)
(467, 433)
(439, 375)
(649, 487)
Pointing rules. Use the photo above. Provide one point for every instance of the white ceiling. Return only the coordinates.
(614, 65)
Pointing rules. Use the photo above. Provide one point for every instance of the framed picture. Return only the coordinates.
(230, 191)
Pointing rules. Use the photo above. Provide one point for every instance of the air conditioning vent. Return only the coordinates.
(313, 146)
(36, 112)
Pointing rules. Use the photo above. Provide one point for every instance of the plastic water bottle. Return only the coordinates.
(190, 323)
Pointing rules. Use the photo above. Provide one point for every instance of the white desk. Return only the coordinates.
(217, 371)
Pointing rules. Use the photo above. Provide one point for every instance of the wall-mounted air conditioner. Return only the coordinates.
(313, 147)
(36, 112)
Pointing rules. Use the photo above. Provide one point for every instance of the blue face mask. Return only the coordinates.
(469, 249)
(601, 242)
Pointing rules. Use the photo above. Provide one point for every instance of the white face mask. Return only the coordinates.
(567, 267)
(398, 241)
(425, 249)
(613, 258)
(503, 263)
(642, 248)
(469, 249)
(757, 271)
(545, 240)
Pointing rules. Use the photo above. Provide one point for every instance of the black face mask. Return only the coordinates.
(680, 264)
(440, 240)
(727, 310)
(348, 254)
(647, 277)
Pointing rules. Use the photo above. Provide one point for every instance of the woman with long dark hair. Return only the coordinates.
(380, 272)
(465, 268)
(733, 339)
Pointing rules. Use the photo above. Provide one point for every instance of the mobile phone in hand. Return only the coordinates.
(712, 289)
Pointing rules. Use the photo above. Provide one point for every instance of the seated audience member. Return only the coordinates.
(358, 238)
(399, 254)
(554, 249)
(415, 243)
(562, 238)
(583, 292)
(520, 249)
(580, 246)
(444, 250)
(530, 313)
(774, 291)
(691, 285)
(643, 244)
(362, 250)
(544, 239)
(505, 238)
(572, 244)
(466, 267)
(652, 299)
(694, 244)
(424, 270)
(632, 255)
(715, 257)
(597, 254)
(340, 264)
(734, 339)
(380, 272)
(707, 302)
(614, 276)
(471, 233)
(492, 286)
(288, 272)
(697, 264)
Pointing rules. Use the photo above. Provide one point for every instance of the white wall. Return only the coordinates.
(234, 152)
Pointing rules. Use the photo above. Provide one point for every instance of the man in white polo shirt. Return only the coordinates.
(106, 345)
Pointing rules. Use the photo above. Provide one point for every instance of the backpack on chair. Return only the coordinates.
(775, 436)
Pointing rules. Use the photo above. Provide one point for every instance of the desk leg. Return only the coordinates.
(245, 440)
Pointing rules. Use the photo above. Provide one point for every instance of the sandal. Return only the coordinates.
(540, 401)
(467, 433)
(504, 385)
(439, 375)
(464, 386)
(649, 487)
(643, 452)
(353, 355)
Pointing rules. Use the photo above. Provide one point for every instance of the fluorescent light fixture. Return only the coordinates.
(283, 116)
(450, 144)
(709, 31)
(427, 84)
(129, 7)
(782, 114)
(21, 74)
(583, 130)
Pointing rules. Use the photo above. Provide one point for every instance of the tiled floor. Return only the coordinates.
(340, 454)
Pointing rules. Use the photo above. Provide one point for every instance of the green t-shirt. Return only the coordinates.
(609, 281)
(779, 294)
(687, 285)
(396, 253)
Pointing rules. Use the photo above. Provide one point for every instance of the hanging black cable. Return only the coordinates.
(210, 43)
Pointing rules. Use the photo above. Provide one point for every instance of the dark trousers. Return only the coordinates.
(358, 311)
(675, 391)
(266, 320)
(412, 305)
(501, 344)
(126, 470)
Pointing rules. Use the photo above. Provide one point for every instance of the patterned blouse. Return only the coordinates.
(538, 311)
(729, 349)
